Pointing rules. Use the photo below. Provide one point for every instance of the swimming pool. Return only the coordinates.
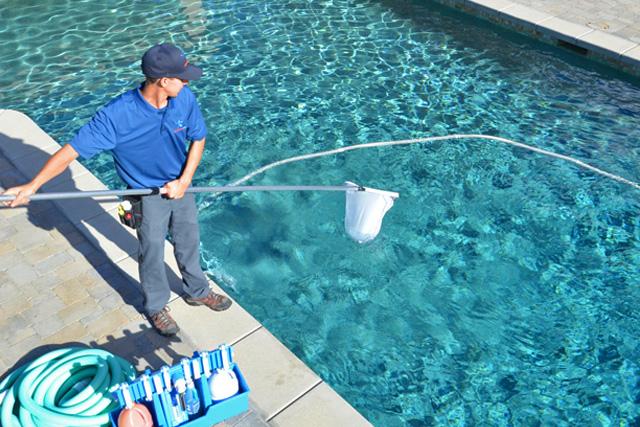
(502, 289)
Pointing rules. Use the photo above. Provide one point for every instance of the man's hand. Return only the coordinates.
(174, 189)
(22, 193)
(52, 168)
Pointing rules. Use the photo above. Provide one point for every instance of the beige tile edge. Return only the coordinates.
(525, 14)
(297, 398)
(119, 259)
(631, 56)
(564, 29)
(276, 376)
(38, 137)
(605, 42)
(319, 408)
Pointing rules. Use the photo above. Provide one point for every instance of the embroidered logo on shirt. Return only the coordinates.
(180, 126)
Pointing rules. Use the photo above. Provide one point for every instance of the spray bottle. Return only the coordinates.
(178, 400)
(175, 411)
(191, 399)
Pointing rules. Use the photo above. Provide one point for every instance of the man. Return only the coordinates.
(147, 130)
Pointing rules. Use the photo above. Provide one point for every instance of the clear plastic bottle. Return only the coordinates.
(191, 400)
(178, 405)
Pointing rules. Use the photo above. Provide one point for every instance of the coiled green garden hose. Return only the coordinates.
(67, 387)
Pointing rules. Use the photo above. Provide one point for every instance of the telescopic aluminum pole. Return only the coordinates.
(148, 191)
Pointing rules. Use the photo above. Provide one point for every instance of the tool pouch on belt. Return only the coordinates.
(130, 212)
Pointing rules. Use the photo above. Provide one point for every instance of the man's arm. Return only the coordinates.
(175, 189)
(54, 167)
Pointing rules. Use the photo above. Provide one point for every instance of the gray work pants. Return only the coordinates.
(179, 217)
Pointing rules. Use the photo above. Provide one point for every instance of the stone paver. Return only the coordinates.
(619, 17)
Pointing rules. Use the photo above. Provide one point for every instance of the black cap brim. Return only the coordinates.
(190, 73)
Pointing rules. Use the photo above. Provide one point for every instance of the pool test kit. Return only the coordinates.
(197, 392)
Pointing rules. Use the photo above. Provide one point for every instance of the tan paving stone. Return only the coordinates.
(99, 289)
(111, 301)
(109, 322)
(3, 367)
(44, 306)
(71, 291)
(14, 306)
(12, 213)
(73, 332)
(72, 269)
(79, 309)
(22, 273)
(9, 260)
(48, 326)
(55, 262)
(132, 313)
(17, 352)
(20, 218)
(7, 230)
(30, 237)
(40, 287)
(9, 289)
(14, 329)
(38, 253)
(58, 245)
(6, 247)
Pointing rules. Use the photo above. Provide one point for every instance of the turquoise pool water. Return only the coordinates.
(503, 287)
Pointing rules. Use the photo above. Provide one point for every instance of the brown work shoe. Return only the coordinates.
(164, 323)
(214, 301)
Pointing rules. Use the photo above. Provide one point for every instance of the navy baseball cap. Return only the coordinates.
(167, 60)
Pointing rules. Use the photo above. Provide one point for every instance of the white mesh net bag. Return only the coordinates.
(364, 210)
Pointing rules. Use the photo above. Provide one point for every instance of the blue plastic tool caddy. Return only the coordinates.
(160, 405)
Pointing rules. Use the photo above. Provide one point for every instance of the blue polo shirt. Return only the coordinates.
(149, 145)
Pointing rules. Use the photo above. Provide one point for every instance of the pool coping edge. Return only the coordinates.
(594, 44)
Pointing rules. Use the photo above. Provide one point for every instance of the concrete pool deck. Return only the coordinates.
(607, 31)
(68, 274)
